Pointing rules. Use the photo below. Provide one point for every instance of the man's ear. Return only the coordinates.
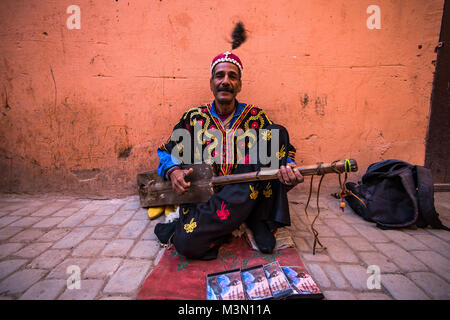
(240, 86)
(211, 84)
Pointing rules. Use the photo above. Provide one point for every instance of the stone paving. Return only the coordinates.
(47, 243)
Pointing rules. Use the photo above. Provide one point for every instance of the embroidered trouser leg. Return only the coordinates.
(203, 227)
(275, 210)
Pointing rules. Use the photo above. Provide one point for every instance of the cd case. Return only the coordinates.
(278, 282)
(256, 285)
(270, 281)
(225, 286)
(302, 283)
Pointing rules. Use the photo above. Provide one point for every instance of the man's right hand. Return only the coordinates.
(179, 185)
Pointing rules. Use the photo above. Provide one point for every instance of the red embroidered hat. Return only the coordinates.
(227, 57)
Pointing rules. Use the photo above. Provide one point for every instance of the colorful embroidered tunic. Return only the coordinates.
(203, 227)
(244, 118)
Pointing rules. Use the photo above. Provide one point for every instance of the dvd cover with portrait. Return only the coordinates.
(256, 285)
(303, 284)
(225, 286)
(270, 281)
(279, 284)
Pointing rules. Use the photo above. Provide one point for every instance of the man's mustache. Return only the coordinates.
(227, 89)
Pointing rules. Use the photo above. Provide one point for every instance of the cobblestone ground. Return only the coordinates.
(45, 240)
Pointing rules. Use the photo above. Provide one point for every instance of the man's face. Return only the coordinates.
(225, 82)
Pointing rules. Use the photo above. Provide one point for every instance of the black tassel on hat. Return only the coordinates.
(238, 36)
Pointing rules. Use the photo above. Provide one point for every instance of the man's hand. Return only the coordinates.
(290, 176)
(179, 185)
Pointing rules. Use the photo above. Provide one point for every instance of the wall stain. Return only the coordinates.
(320, 104)
(304, 100)
(125, 153)
(311, 136)
(56, 90)
(7, 106)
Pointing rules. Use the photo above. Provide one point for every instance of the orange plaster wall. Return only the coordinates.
(83, 111)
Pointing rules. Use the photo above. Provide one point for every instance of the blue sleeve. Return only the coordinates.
(166, 161)
(289, 160)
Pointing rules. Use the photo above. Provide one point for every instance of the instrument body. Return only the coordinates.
(154, 191)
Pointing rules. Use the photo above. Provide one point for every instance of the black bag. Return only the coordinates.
(395, 194)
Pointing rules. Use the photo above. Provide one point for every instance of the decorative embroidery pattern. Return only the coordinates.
(185, 211)
(228, 257)
(267, 191)
(246, 159)
(266, 135)
(281, 153)
(291, 154)
(254, 193)
(189, 227)
(268, 257)
(209, 139)
(242, 138)
(183, 261)
(223, 213)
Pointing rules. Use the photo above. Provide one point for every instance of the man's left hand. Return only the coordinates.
(289, 175)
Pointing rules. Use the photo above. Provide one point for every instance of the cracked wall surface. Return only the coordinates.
(83, 110)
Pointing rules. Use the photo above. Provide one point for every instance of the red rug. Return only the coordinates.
(178, 278)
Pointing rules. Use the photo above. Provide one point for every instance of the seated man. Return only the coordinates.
(227, 133)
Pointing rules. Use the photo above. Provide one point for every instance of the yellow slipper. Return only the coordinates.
(168, 210)
(155, 212)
